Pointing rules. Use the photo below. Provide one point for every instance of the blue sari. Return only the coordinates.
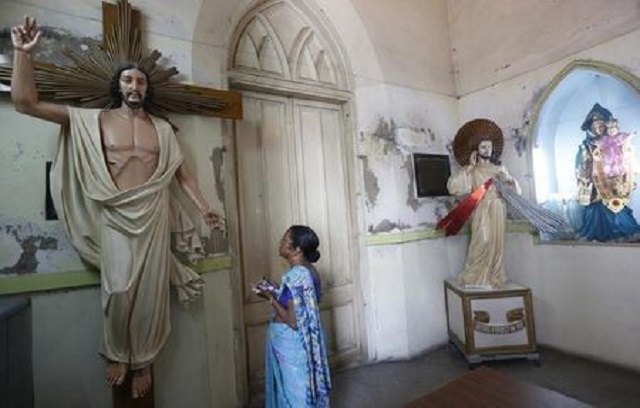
(297, 372)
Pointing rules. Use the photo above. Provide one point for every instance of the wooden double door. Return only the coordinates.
(291, 158)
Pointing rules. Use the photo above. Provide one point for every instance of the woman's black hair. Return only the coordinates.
(306, 239)
(114, 86)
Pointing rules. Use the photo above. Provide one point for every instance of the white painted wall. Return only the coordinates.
(414, 121)
(404, 106)
(409, 315)
(504, 56)
(584, 296)
(411, 41)
(496, 40)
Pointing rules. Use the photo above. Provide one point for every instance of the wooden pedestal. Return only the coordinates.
(491, 324)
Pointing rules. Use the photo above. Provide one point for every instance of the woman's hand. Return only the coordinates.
(271, 283)
(265, 288)
(265, 294)
(25, 37)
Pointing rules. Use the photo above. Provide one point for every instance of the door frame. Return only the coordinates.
(356, 214)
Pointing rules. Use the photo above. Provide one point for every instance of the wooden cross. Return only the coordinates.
(86, 82)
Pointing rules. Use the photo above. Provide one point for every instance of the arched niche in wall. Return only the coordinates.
(556, 133)
(285, 46)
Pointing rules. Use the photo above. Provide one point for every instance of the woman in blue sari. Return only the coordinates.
(297, 373)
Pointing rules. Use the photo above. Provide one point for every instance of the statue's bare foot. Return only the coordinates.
(116, 373)
(141, 383)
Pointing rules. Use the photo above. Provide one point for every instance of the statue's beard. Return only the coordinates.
(485, 157)
(135, 105)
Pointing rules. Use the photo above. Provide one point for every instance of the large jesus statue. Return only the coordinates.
(113, 181)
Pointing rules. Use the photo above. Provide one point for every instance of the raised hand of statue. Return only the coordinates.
(25, 37)
(473, 158)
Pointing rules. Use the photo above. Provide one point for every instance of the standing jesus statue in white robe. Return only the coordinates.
(484, 265)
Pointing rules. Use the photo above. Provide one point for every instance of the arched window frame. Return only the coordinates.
(535, 119)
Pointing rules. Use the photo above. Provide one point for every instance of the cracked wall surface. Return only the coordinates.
(26, 247)
(50, 47)
(216, 241)
(371, 187)
(389, 177)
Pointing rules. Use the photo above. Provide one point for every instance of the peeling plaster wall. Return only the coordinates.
(396, 122)
(388, 172)
(406, 108)
(403, 98)
(26, 247)
(28, 243)
(582, 296)
(403, 94)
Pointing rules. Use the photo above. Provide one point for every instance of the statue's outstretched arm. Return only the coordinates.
(23, 86)
(189, 185)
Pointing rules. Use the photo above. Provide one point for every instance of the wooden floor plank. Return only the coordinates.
(485, 387)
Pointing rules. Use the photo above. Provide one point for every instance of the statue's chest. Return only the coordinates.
(138, 138)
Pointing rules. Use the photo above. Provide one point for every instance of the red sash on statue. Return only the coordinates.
(454, 221)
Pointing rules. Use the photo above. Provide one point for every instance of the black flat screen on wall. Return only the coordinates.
(432, 172)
